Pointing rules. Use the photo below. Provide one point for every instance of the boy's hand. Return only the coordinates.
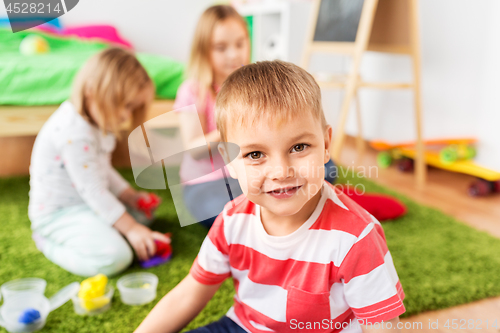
(181, 305)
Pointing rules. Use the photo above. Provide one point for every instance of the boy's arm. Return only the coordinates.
(181, 305)
(383, 328)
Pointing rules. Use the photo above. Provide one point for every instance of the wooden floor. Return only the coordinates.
(447, 192)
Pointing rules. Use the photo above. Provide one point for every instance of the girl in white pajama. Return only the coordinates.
(81, 209)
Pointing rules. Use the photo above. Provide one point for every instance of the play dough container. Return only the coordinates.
(137, 288)
(26, 285)
(94, 306)
(17, 313)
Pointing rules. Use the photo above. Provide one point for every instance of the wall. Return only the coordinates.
(156, 26)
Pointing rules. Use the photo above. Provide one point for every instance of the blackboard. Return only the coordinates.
(338, 20)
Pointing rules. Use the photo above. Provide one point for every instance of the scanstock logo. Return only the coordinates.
(25, 14)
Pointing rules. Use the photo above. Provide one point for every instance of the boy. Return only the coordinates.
(303, 256)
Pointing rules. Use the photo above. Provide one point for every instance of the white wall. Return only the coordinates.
(156, 26)
(488, 116)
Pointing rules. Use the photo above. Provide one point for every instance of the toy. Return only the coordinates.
(149, 204)
(33, 44)
(483, 187)
(407, 152)
(382, 207)
(449, 150)
(24, 285)
(162, 255)
(91, 292)
(455, 153)
(29, 316)
(28, 311)
(137, 288)
(447, 154)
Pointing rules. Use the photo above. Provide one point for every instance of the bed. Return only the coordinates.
(32, 87)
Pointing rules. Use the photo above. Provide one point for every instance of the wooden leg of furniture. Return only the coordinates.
(360, 143)
(420, 167)
(338, 138)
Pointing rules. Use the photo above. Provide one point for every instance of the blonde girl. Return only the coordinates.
(81, 209)
(221, 44)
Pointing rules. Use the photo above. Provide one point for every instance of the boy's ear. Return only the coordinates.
(227, 160)
(328, 142)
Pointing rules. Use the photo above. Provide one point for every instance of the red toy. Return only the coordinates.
(382, 207)
(162, 255)
(482, 187)
(148, 204)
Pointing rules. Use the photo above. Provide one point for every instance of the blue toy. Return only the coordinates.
(29, 316)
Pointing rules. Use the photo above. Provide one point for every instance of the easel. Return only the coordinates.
(389, 26)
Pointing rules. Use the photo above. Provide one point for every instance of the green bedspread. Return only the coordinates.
(46, 79)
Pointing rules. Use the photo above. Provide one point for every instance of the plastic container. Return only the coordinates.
(138, 288)
(27, 285)
(96, 305)
(14, 307)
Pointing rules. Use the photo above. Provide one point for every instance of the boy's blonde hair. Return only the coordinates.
(276, 89)
(199, 67)
(113, 78)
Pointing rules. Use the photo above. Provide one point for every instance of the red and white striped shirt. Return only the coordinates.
(334, 269)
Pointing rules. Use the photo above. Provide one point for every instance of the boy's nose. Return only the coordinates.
(280, 170)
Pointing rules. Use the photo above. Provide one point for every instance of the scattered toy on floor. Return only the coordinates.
(382, 207)
(91, 291)
(482, 187)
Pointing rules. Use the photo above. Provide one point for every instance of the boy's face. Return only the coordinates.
(280, 168)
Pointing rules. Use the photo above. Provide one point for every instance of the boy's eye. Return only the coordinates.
(300, 147)
(255, 155)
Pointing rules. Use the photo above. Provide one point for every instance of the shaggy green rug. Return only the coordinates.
(440, 262)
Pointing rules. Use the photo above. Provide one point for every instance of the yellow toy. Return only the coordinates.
(33, 44)
(91, 292)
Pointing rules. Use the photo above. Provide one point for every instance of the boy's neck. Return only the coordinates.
(276, 225)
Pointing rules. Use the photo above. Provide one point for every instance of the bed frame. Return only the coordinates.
(19, 126)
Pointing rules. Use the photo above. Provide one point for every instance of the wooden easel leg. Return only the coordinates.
(420, 166)
(360, 143)
(362, 37)
(338, 139)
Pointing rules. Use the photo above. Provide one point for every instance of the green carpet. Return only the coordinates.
(440, 262)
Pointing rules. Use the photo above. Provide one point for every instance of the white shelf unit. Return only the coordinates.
(279, 28)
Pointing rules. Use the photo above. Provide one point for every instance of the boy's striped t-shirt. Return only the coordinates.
(332, 272)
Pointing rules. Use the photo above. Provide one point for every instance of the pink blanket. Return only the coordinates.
(103, 32)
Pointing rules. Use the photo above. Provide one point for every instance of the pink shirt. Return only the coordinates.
(187, 95)
(335, 269)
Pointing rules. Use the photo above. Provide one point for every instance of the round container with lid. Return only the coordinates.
(26, 285)
(138, 288)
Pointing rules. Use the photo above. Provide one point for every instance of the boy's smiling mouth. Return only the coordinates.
(284, 192)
